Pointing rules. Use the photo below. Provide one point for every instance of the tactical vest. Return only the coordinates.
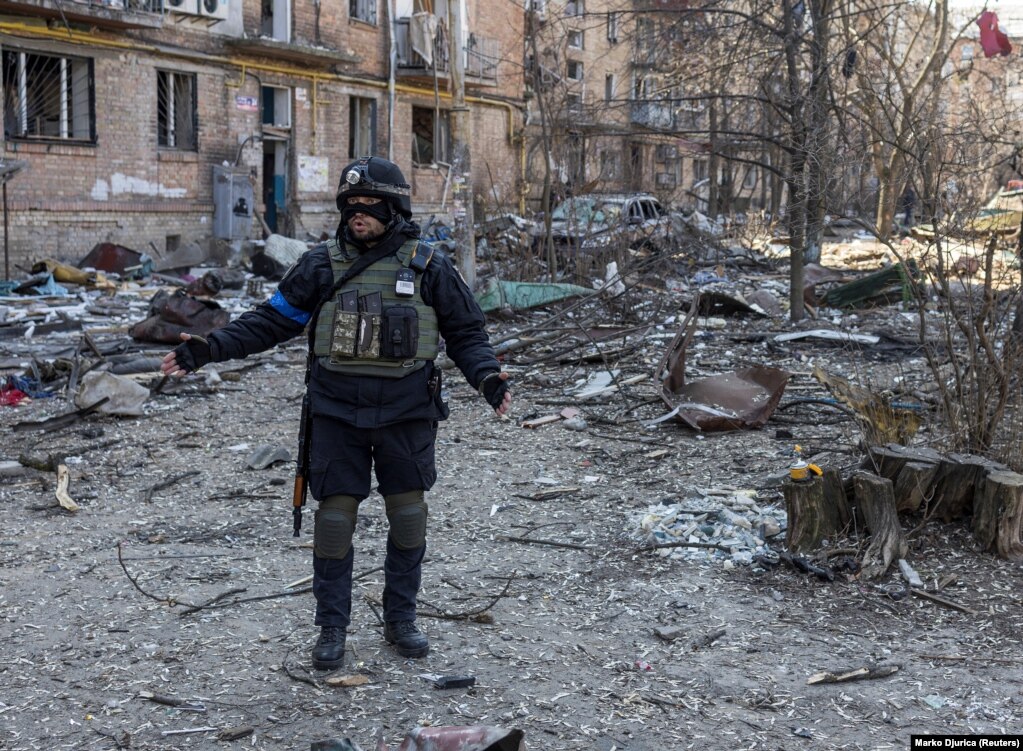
(368, 328)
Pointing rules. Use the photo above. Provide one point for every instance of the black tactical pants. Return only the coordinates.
(341, 459)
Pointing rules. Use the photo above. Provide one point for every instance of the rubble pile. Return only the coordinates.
(721, 526)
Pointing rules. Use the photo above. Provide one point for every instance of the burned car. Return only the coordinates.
(592, 228)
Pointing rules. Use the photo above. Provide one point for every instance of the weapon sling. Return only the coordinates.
(305, 426)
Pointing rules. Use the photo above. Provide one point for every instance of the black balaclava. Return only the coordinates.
(383, 212)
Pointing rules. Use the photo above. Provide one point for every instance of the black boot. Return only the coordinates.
(329, 650)
(407, 639)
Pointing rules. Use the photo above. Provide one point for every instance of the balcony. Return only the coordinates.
(432, 56)
(104, 14)
(653, 115)
(317, 58)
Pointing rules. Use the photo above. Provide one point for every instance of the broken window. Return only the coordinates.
(701, 169)
(574, 104)
(575, 39)
(542, 76)
(612, 27)
(362, 126)
(609, 87)
(749, 180)
(275, 19)
(431, 136)
(575, 70)
(363, 10)
(276, 107)
(48, 96)
(610, 164)
(176, 124)
(576, 147)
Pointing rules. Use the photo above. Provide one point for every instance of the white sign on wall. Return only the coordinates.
(313, 174)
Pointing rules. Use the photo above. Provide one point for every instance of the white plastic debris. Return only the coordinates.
(124, 396)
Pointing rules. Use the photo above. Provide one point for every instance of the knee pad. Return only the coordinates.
(406, 513)
(334, 526)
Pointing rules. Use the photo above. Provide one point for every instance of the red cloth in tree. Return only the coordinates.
(992, 39)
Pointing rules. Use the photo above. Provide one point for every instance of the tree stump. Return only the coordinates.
(836, 500)
(875, 502)
(955, 484)
(812, 515)
(889, 460)
(914, 485)
(998, 514)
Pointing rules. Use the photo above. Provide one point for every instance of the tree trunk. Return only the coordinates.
(955, 484)
(875, 502)
(913, 486)
(998, 514)
(813, 514)
(889, 460)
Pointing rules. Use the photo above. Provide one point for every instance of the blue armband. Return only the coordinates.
(286, 309)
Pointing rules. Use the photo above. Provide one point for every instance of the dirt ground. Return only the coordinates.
(533, 584)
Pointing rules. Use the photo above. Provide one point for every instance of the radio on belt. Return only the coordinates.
(405, 283)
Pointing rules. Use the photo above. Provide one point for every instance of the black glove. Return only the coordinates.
(493, 388)
(193, 354)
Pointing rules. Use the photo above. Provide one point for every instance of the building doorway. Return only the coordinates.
(276, 138)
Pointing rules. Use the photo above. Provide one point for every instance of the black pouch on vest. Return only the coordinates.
(399, 332)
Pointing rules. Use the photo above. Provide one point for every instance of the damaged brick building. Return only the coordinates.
(154, 123)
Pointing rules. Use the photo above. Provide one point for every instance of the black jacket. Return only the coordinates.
(367, 401)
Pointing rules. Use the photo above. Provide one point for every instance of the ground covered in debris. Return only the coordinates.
(169, 610)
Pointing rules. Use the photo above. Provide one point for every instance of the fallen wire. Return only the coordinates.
(465, 615)
(148, 495)
(209, 603)
(162, 600)
(552, 543)
(240, 600)
(212, 604)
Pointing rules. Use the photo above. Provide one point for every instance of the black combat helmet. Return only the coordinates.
(375, 176)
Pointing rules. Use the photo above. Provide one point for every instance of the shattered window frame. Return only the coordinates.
(177, 121)
(610, 164)
(431, 136)
(48, 97)
(363, 10)
(612, 27)
(362, 126)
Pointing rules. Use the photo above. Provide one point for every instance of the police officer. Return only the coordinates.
(374, 388)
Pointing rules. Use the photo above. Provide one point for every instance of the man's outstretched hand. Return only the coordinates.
(497, 391)
(187, 357)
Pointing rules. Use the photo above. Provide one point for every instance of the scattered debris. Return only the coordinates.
(347, 681)
(267, 455)
(726, 526)
(454, 738)
(116, 395)
(744, 398)
(853, 674)
(501, 295)
(63, 482)
(117, 259)
(171, 315)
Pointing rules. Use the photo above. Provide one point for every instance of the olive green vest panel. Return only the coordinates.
(380, 277)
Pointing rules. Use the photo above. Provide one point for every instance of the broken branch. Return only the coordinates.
(855, 674)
